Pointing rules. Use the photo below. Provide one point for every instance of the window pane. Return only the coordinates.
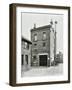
(35, 37)
(44, 44)
(22, 60)
(25, 45)
(44, 35)
(35, 44)
(26, 57)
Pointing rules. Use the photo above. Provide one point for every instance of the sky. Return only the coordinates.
(40, 19)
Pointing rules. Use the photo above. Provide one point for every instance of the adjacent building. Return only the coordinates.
(25, 54)
(42, 50)
(59, 57)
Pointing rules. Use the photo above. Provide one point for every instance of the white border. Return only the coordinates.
(18, 49)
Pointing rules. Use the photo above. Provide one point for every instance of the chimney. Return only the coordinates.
(34, 26)
(51, 22)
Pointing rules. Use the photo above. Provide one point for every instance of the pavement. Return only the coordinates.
(43, 71)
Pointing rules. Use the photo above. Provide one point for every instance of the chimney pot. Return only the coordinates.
(34, 26)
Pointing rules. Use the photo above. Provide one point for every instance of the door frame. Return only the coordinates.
(42, 54)
(41, 60)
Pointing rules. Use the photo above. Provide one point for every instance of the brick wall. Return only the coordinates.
(37, 46)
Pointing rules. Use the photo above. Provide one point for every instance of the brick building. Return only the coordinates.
(42, 45)
(25, 54)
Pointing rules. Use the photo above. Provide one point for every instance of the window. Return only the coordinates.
(26, 57)
(25, 45)
(44, 44)
(44, 35)
(34, 57)
(35, 50)
(22, 60)
(35, 44)
(35, 37)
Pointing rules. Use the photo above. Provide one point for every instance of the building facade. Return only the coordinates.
(25, 54)
(42, 50)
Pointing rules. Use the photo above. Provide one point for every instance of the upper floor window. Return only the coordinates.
(35, 37)
(44, 44)
(35, 50)
(26, 45)
(44, 35)
(35, 44)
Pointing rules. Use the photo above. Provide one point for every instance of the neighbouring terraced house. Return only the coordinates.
(25, 54)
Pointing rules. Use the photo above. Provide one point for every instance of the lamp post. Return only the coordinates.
(51, 23)
(55, 42)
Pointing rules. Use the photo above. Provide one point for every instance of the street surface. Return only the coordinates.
(43, 71)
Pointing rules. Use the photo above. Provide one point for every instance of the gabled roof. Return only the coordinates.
(26, 40)
(42, 27)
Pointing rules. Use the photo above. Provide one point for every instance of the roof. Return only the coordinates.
(42, 27)
(26, 40)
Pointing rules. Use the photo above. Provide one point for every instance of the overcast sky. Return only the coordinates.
(28, 20)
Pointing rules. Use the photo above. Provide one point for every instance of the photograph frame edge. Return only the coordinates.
(12, 45)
